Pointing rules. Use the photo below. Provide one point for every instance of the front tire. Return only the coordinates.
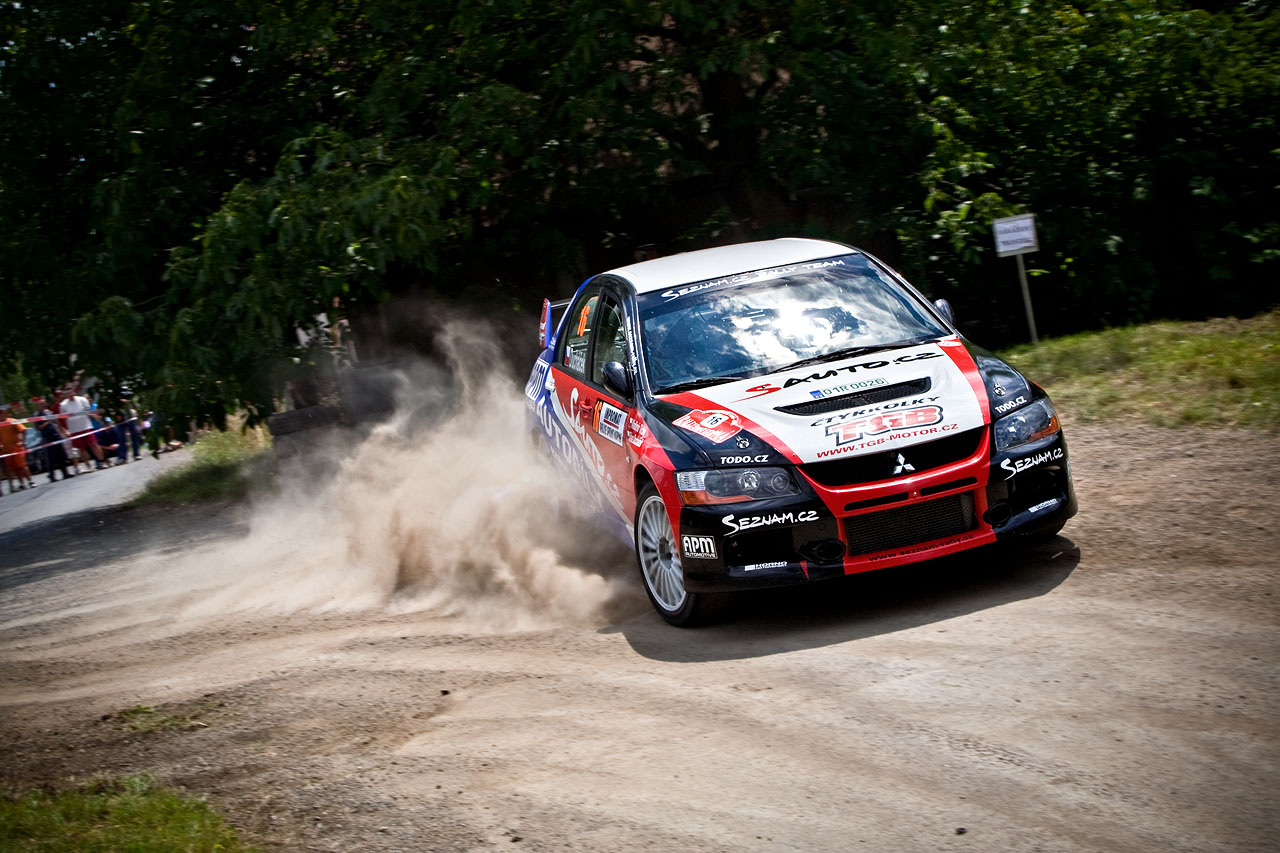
(658, 556)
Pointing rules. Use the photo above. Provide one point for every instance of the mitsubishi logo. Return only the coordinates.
(903, 465)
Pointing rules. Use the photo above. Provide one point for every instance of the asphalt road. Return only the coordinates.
(94, 490)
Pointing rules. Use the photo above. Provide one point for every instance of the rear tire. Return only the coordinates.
(658, 556)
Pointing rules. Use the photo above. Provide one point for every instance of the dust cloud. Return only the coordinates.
(446, 508)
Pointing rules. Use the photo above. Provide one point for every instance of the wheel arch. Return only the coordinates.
(640, 478)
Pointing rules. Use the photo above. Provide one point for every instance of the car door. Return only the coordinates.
(613, 416)
(595, 334)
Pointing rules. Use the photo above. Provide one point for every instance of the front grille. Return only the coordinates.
(882, 465)
(859, 398)
(910, 525)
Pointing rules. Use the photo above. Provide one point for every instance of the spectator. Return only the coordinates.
(35, 456)
(55, 446)
(155, 433)
(108, 440)
(129, 434)
(77, 409)
(13, 448)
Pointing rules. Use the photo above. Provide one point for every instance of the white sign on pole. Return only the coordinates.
(1015, 235)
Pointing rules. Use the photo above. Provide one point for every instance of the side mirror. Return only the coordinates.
(616, 379)
(944, 308)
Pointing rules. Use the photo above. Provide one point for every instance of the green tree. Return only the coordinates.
(186, 186)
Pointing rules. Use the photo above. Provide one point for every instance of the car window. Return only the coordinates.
(611, 340)
(755, 323)
(577, 333)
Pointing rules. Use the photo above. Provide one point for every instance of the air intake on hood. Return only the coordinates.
(861, 398)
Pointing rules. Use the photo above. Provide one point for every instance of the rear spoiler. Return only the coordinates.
(545, 325)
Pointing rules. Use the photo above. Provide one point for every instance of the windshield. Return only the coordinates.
(759, 322)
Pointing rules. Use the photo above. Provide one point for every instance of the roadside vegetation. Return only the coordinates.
(144, 718)
(355, 155)
(131, 814)
(220, 468)
(1220, 372)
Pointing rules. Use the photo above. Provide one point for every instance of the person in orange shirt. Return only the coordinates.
(14, 451)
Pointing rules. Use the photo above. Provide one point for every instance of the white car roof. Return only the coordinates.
(703, 264)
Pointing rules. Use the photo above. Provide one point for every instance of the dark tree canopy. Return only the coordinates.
(183, 184)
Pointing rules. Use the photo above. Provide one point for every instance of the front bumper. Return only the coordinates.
(835, 530)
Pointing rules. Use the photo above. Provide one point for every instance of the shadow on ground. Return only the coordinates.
(774, 621)
(74, 541)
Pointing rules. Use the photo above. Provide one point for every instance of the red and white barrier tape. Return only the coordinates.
(60, 441)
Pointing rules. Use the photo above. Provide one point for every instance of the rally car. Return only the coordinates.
(783, 411)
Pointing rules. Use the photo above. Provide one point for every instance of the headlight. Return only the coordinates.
(730, 485)
(1028, 424)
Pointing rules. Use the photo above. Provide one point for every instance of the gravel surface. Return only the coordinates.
(1115, 689)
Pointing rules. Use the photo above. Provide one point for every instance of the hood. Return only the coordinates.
(849, 407)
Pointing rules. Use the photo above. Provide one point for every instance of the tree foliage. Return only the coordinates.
(185, 184)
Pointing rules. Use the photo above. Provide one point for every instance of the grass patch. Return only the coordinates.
(1223, 372)
(143, 718)
(219, 469)
(130, 814)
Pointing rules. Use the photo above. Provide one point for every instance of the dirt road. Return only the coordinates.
(1114, 690)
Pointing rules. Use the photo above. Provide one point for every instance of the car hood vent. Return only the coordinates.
(859, 398)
